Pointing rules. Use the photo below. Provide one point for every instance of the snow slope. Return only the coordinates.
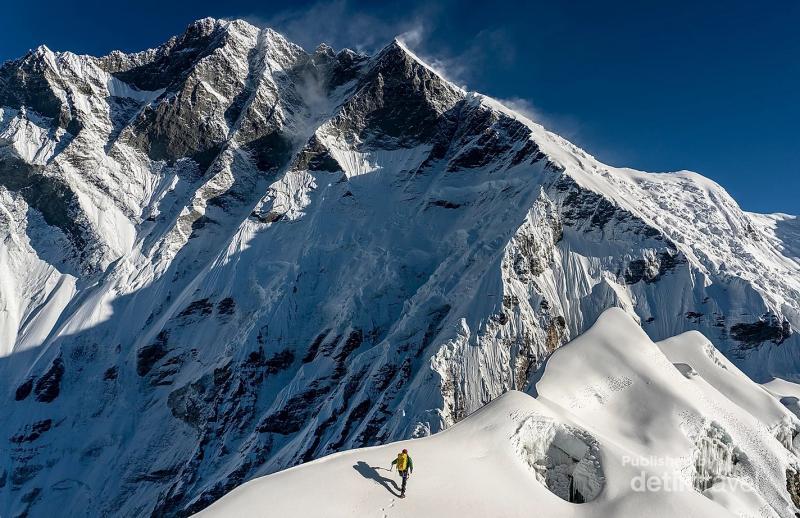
(612, 409)
(226, 256)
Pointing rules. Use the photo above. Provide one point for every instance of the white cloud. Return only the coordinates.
(341, 25)
(524, 107)
(413, 37)
(565, 125)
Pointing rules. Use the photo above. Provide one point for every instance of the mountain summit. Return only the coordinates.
(226, 256)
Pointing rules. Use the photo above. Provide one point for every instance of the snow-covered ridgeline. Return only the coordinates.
(618, 426)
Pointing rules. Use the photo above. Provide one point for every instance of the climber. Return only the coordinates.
(405, 466)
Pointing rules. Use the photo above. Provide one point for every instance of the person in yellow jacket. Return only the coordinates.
(405, 466)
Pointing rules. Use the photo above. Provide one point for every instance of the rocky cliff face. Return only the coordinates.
(226, 256)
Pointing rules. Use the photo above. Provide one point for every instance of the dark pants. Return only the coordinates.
(404, 476)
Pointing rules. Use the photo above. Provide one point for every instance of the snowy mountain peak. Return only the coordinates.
(325, 49)
(398, 47)
(252, 256)
(40, 52)
(206, 26)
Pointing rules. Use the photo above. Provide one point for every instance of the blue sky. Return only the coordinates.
(709, 86)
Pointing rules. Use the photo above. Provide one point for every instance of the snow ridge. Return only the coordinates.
(662, 444)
